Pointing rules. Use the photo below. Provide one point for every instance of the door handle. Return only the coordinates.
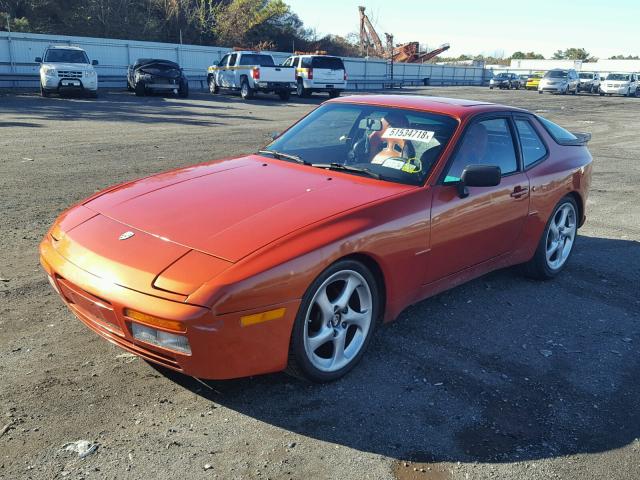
(520, 191)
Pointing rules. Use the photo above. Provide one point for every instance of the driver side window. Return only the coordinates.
(486, 142)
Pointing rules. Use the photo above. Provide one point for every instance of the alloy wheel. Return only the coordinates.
(338, 320)
(561, 236)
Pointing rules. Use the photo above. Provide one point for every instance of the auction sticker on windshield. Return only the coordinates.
(408, 134)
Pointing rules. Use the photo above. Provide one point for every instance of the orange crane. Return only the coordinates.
(409, 52)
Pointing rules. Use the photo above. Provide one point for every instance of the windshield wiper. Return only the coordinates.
(346, 168)
(285, 156)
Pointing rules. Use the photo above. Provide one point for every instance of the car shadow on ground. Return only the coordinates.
(121, 106)
(502, 369)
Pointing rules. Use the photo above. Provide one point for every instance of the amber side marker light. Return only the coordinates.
(262, 317)
(155, 321)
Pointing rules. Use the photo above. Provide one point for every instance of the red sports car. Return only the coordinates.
(289, 258)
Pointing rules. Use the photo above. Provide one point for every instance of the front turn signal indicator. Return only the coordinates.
(153, 321)
(248, 320)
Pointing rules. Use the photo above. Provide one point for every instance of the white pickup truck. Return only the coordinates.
(250, 72)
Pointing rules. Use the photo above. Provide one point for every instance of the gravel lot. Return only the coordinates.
(499, 378)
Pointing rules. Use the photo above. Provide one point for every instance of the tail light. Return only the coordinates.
(255, 73)
(310, 73)
(345, 76)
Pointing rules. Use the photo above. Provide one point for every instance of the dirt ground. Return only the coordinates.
(499, 378)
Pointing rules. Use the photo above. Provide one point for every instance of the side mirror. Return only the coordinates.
(38, 59)
(478, 176)
(94, 62)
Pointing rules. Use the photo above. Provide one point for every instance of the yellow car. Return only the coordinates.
(534, 80)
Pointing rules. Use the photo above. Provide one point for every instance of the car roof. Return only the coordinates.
(154, 60)
(252, 52)
(64, 47)
(456, 107)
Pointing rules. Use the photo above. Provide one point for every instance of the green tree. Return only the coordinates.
(574, 54)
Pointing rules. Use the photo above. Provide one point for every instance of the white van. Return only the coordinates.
(620, 84)
(318, 73)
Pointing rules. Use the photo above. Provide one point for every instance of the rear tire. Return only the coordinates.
(547, 261)
(335, 322)
(284, 95)
(300, 90)
(246, 92)
(334, 93)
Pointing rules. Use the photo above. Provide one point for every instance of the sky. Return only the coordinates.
(484, 27)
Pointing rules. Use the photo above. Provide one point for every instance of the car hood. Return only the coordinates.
(70, 66)
(231, 208)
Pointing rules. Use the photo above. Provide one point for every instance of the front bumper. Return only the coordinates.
(557, 88)
(221, 348)
(614, 90)
(55, 84)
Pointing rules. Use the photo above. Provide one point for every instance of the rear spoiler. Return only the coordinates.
(582, 138)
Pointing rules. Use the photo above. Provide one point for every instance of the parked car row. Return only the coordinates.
(565, 81)
(250, 72)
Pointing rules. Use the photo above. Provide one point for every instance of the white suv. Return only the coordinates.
(67, 69)
(318, 73)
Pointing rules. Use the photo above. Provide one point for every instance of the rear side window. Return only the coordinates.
(256, 59)
(558, 133)
(306, 62)
(329, 63)
(533, 149)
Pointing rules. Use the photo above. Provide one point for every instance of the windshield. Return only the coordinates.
(588, 76)
(256, 59)
(618, 76)
(556, 74)
(535, 75)
(502, 75)
(397, 145)
(63, 55)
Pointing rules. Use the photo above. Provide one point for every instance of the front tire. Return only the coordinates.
(139, 89)
(43, 92)
(183, 91)
(335, 322)
(557, 241)
(213, 88)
